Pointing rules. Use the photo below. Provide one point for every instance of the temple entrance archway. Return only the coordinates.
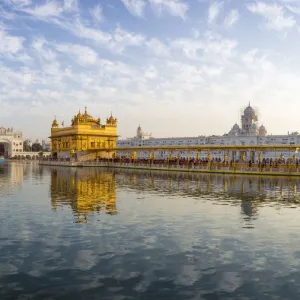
(5, 148)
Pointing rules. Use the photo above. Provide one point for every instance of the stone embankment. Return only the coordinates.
(243, 169)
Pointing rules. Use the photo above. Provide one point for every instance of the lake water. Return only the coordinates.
(92, 233)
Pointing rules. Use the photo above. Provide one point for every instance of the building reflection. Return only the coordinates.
(89, 190)
(84, 190)
(11, 176)
(250, 192)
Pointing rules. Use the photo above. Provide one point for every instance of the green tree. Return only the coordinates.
(26, 146)
(37, 147)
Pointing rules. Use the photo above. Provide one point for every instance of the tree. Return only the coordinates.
(26, 146)
(37, 147)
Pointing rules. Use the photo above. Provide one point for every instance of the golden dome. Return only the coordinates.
(55, 123)
(111, 120)
(84, 118)
(79, 115)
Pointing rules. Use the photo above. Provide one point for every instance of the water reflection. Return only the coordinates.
(84, 190)
(175, 236)
(227, 186)
(94, 190)
(11, 176)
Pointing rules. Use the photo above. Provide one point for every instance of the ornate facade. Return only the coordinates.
(249, 133)
(249, 127)
(83, 137)
(11, 142)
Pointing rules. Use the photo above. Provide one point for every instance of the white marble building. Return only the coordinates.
(46, 145)
(11, 142)
(248, 134)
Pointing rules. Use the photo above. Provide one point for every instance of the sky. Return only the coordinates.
(176, 67)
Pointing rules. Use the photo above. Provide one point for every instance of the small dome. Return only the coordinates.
(139, 131)
(262, 127)
(254, 126)
(236, 127)
(111, 120)
(262, 130)
(87, 116)
(54, 123)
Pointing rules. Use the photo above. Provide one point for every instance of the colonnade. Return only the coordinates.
(233, 157)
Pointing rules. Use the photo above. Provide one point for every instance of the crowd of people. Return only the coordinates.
(263, 163)
(194, 162)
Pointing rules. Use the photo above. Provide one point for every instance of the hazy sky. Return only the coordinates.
(177, 67)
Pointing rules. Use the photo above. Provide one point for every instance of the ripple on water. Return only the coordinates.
(99, 234)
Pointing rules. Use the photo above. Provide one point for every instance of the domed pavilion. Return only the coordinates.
(86, 136)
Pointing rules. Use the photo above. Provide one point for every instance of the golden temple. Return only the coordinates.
(83, 136)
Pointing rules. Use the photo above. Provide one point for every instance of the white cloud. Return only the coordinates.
(151, 73)
(214, 11)
(232, 18)
(135, 7)
(157, 47)
(71, 5)
(19, 3)
(176, 8)
(81, 54)
(274, 14)
(211, 48)
(123, 39)
(80, 30)
(48, 9)
(116, 41)
(10, 44)
(294, 9)
(97, 14)
(195, 33)
(40, 46)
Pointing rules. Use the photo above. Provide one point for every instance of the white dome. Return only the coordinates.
(262, 130)
(249, 111)
(262, 127)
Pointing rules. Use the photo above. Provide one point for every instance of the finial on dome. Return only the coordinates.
(55, 123)
(249, 103)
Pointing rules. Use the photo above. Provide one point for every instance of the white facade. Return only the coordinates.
(249, 134)
(11, 142)
(46, 145)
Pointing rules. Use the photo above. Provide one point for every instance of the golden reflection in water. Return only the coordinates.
(85, 190)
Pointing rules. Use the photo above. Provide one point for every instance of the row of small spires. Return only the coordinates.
(87, 118)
